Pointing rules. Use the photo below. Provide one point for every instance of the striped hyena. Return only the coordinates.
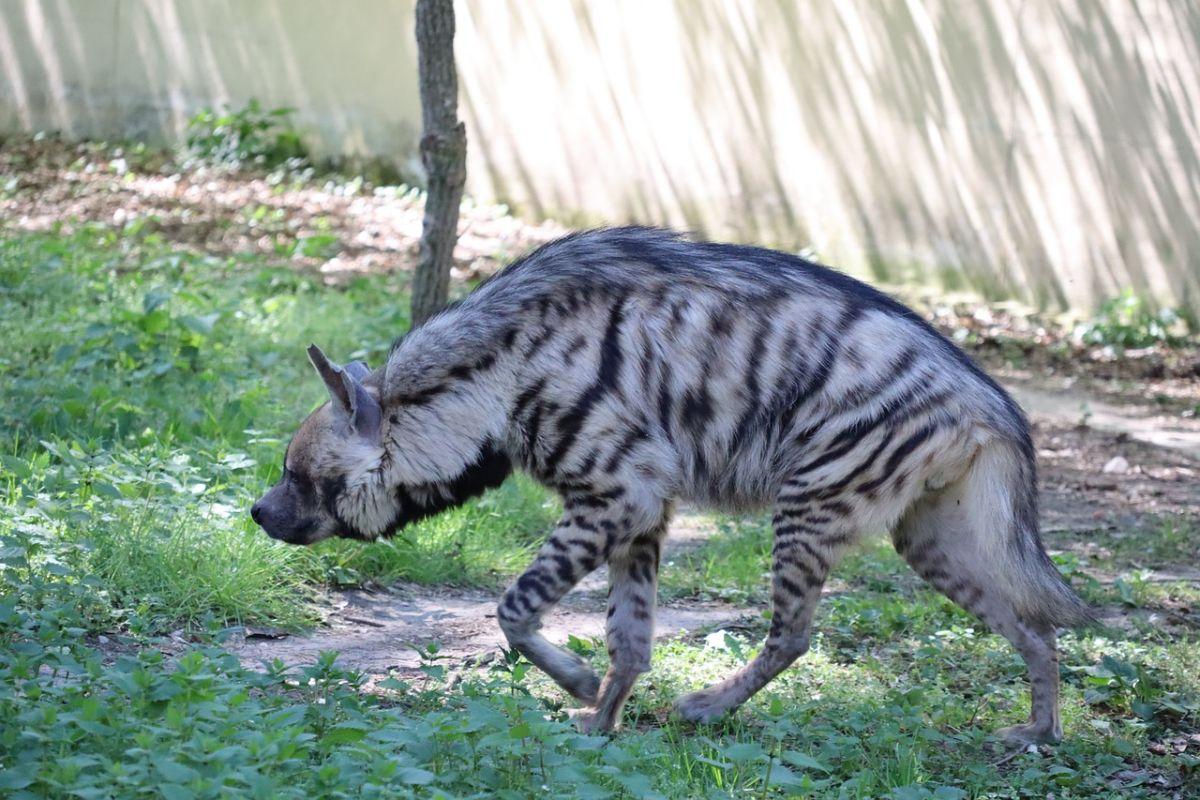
(628, 368)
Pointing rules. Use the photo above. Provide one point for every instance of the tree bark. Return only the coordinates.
(443, 152)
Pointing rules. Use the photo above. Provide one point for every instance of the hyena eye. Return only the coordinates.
(301, 482)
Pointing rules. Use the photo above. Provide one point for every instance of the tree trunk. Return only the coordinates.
(443, 152)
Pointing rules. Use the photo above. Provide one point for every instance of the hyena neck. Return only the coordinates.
(444, 425)
(446, 397)
(440, 414)
(490, 468)
(382, 511)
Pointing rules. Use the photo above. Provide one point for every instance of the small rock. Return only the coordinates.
(253, 632)
(1117, 465)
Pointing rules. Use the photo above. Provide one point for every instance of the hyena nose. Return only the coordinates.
(256, 514)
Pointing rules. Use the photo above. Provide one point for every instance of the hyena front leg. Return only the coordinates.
(576, 547)
(807, 544)
(633, 584)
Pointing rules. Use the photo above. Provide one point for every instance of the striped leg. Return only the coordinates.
(1039, 649)
(576, 547)
(806, 548)
(1037, 644)
(633, 583)
(936, 542)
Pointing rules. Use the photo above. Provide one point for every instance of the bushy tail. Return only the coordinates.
(1000, 494)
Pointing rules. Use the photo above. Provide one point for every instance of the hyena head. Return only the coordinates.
(331, 483)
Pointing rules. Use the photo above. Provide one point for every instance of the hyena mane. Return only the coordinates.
(629, 368)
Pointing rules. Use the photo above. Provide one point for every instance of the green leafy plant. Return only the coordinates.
(1121, 685)
(1128, 321)
(246, 136)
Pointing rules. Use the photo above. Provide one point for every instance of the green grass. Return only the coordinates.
(146, 396)
(883, 706)
(730, 565)
(1157, 542)
(936, 681)
(483, 543)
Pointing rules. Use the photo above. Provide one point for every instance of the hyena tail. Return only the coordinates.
(1001, 504)
(976, 539)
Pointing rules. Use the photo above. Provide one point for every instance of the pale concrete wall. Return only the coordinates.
(141, 68)
(1046, 149)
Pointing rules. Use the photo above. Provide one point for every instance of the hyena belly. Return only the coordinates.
(629, 369)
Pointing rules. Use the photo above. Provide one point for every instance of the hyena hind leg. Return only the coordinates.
(939, 539)
(808, 543)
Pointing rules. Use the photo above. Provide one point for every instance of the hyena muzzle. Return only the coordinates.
(628, 368)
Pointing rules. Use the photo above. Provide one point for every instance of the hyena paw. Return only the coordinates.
(1029, 733)
(705, 705)
(584, 687)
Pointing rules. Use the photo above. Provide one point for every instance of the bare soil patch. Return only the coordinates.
(221, 212)
(1105, 465)
(378, 631)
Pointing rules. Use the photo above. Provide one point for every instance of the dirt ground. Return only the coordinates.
(1118, 436)
(47, 183)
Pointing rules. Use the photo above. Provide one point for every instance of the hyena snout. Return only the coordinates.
(281, 520)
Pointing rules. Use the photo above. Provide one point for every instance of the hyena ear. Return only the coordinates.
(358, 370)
(351, 401)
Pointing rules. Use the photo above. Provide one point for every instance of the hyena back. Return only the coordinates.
(629, 368)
